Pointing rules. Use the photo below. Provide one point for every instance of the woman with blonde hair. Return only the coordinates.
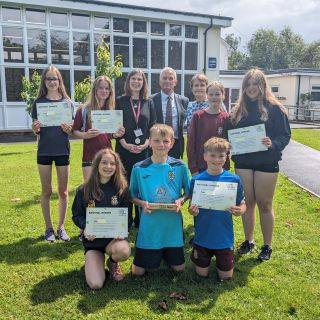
(259, 170)
(101, 98)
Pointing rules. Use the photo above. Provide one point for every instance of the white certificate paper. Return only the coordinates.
(107, 222)
(54, 113)
(107, 121)
(247, 139)
(214, 195)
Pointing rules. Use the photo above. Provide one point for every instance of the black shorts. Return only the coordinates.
(151, 258)
(58, 160)
(201, 257)
(271, 168)
(98, 248)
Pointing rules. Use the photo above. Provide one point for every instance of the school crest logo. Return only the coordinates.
(114, 200)
(171, 175)
(161, 192)
(91, 204)
(220, 130)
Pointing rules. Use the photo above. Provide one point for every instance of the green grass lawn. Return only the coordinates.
(308, 137)
(46, 281)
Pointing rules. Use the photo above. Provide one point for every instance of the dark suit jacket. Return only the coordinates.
(182, 103)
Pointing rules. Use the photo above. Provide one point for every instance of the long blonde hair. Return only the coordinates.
(265, 94)
(43, 90)
(93, 102)
(92, 188)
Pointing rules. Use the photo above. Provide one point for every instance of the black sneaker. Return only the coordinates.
(246, 247)
(265, 253)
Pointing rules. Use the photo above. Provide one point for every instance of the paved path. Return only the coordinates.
(307, 161)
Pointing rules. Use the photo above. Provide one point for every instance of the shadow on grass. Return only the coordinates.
(30, 250)
(13, 153)
(148, 290)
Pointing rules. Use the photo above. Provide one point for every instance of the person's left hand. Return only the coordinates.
(267, 142)
(67, 128)
(119, 133)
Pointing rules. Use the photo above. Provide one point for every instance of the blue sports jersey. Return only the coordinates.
(214, 228)
(159, 183)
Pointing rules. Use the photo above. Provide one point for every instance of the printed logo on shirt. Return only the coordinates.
(114, 200)
(161, 191)
(146, 176)
(171, 175)
(91, 204)
(220, 131)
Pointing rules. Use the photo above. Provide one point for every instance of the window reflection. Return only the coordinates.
(175, 30)
(191, 32)
(174, 54)
(191, 56)
(81, 48)
(80, 21)
(12, 44)
(66, 79)
(119, 84)
(158, 28)
(157, 54)
(187, 90)
(139, 26)
(121, 46)
(37, 46)
(11, 14)
(97, 40)
(155, 86)
(80, 75)
(140, 49)
(60, 47)
(101, 22)
(36, 16)
(59, 19)
(120, 25)
(14, 83)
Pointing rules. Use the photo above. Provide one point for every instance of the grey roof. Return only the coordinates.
(129, 6)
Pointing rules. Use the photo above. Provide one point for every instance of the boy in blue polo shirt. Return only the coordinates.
(159, 179)
(214, 228)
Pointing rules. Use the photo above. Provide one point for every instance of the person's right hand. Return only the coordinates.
(88, 236)
(36, 126)
(146, 208)
(193, 210)
(91, 133)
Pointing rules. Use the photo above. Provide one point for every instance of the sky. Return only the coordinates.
(302, 16)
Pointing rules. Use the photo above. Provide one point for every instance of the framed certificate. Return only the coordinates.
(107, 222)
(247, 139)
(107, 121)
(163, 206)
(54, 113)
(214, 195)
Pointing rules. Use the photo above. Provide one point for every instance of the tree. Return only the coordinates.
(30, 90)
(236, 59)
(104, 68)
(311, 55)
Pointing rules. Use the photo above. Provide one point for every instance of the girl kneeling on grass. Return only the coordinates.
(106, 187)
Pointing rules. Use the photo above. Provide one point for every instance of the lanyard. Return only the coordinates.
(135, 114)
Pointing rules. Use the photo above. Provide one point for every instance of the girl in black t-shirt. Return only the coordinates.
(105, 188)
(53, 146)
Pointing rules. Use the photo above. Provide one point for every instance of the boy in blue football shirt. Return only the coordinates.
(159, 179)
(214, 228)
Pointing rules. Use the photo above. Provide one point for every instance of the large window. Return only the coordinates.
(60, 47)
(11, 14)
(59, 19)
(80, 21)
(187, 90)
(155, 86)
(315, 93)
(191, 32)
(121, 46)
(12, 44)
(119, 84)
(14, 83)
(81, 48)
(174, 54)
(139, 27)
(36, 16)
(158, 28)
(37, 46)
(97, 40)
(191, 56)
(101, 23)
(140, 50)
(66, 79)
(175, 30)
(80, 75)
(120, 25)
(157, 54)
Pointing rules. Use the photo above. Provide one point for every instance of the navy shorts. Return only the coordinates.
(58, 160)
(98, 248)
(270, 168)
(151, 258)
(201, 257)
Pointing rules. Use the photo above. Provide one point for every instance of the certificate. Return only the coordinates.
(107, 121)
(54, 113)
(247, 139)
(107, 222)
(163, 206)
(214, 195)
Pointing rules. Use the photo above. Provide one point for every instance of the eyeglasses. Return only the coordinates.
(51, 79)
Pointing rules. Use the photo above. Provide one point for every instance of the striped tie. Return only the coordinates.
(169, 113)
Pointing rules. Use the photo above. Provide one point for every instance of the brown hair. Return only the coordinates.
(265, 94)
(143, 94)
(199, 77)
(162, 129)
(220, 86)
(43, 90)
(92, 189)
(216, 144)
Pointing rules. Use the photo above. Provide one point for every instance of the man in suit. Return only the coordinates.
(171, 109)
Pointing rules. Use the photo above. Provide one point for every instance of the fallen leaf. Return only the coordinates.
(163, 306)
(15, 199)
(178, 296)
(289, 224)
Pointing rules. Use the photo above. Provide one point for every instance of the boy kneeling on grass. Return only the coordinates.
(214, 228)
(156, 185)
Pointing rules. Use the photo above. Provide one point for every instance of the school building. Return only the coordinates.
(66, 33)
